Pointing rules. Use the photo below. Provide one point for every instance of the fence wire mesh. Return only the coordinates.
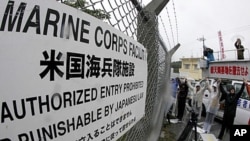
(132, 19)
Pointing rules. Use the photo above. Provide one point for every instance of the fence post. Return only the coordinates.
(149, 127)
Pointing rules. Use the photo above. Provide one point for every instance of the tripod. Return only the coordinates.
(188, 128)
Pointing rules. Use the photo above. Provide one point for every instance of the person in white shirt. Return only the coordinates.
(213, 106)
(198, 93)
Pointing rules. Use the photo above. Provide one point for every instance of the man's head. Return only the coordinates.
(231, 89)
(238, 41)
(197, 86)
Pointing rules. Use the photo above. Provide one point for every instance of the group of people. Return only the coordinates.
(208, 52)
(181, 87)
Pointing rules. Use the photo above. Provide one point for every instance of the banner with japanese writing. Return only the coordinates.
(66, 75)
(236, 70)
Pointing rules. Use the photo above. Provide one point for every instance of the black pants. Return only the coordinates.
(181, 107)
(227, 124)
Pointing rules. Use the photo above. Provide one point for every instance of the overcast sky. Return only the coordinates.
(198, 18)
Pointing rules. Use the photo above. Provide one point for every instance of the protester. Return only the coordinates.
(170, 108)
(240, 49)
(174, 94)
(213, 106)
(181, 97)
(231, 100)
(198, 93)
(209, 53)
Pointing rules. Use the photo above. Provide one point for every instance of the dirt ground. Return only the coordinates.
(170, 131)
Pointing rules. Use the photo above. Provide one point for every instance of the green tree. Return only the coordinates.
(82, 5)
(176, 66)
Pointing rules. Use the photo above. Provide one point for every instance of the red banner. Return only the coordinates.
(221, 45)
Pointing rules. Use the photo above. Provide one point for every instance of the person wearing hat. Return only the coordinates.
(198, 93)
(213, 106)
(231, 99)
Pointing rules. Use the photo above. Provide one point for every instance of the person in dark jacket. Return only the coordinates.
(231, 99)
(240, 49)
(181, 97)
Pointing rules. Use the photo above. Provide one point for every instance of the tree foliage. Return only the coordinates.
(176, 66)
(82, 4)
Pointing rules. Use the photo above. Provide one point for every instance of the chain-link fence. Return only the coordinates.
(130, 17)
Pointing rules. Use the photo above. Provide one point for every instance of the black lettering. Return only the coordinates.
(31, 100)
(120, 43)
(61, 128)
(84, 30)
(72, 124)
(39, 135)
(103, 92)
(9, 13)
(99, 114)
(5, 139)
(63, 25)
(5, 114)
(45, 103)
(79, 101)
(46, 133)
(51, 22)
(23, 137)
(93, 94)
(74, 30)
(125, 49)
(79, 122)
(87, 94)
(86, 118)
(96, 33)
(23, 113)
(54, 129)
(107, 39)
(114, 42)
(67, 99)
(35, 12)
(74, 98)
(131, 49)
(58, 99)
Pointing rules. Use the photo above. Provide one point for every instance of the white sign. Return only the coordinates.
(223, 56)
(66, 75)
(229, 69)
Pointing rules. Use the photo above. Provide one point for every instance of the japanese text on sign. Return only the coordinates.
(66, 75)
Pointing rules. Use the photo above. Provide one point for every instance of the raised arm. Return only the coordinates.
(223, 93)
(189, 85)
(206, 86)
(236, 44)
(218, 88)
(241, 89)
(209, 88)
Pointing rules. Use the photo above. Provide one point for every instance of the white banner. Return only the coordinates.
(66, 75)
(236, 70)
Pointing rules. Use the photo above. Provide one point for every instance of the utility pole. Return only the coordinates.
(202, 39)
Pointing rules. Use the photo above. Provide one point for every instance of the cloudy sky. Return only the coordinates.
(198, 18)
